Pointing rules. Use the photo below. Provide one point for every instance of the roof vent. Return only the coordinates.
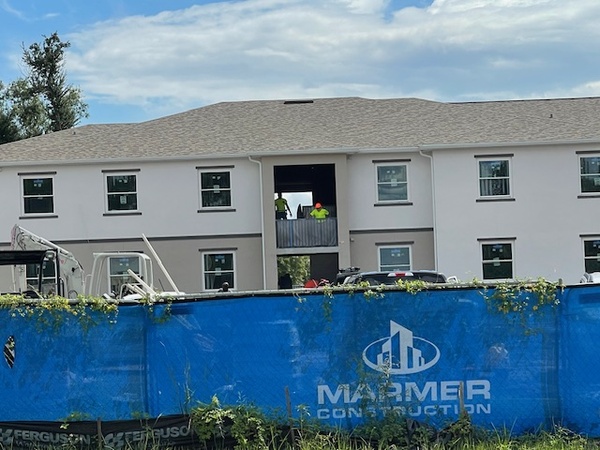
(297, 102)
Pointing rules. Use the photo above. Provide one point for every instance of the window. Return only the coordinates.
(394, 258)
(591, 250)
(121, 192)
(392, 182)
(497, 261)
(38, 195)
(49, 276)
(218, 268)
(215, 189)
(118, 275)
(590, 174)
(494, 178)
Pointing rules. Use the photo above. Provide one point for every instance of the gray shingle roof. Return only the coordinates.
(262, 127)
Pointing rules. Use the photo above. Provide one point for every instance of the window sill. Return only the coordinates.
(122, 213)
(588, 196)
(398, 203)
(495, 199)
(38, 216)
(214, 210)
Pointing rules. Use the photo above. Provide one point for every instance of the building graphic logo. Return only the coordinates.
(401, 353)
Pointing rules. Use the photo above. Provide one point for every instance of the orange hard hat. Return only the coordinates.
(317, 205)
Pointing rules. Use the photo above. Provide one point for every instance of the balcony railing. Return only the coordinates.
(297, 233)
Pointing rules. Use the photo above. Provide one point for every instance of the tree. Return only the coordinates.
(297, 266)
(8, 130)
(43, 101)
(48, 80)
(25, 110)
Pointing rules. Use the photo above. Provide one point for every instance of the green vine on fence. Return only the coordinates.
(523, 298)
(51, 313)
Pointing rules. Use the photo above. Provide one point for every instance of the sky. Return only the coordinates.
(137, 60)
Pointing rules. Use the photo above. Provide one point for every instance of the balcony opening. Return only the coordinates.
(304, 186)
(298, 271)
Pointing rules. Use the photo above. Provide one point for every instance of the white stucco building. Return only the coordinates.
(487, 190)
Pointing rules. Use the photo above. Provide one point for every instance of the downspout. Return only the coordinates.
(434, 208)
(262, 220)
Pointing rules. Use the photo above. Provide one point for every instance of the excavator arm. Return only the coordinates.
(71, 275)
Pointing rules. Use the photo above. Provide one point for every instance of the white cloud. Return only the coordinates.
(6, 6)
(265, 49)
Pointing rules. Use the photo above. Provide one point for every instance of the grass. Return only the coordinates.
(245, 427)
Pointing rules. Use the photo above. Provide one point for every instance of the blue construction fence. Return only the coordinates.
(341, 357)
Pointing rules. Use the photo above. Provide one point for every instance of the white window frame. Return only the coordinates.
(378, 165)
(490, 159)
(231, 279)
(107, 194)
(395, 268)
(25, 196)
(498, 261)
(594, 160)
(215, 188)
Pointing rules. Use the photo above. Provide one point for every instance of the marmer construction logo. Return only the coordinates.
(401, 353)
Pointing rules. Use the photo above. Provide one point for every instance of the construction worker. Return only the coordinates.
(281, 207)
(319, 212)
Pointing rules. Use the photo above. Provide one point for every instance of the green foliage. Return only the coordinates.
(52, 312)
(246, 425)
(165, 311)
(43, 101)
(523, 300)
(24, 110)
(75, 416)
(297, 266)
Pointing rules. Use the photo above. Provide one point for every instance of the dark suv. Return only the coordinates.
(390, 278)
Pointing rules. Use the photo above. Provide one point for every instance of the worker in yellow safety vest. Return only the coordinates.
(281, 207)
(319, 212)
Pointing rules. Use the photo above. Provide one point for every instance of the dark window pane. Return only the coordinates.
(592, 248)
(39, 205)
(122, 202)
(216, 280)
(493, 169)
(217, 262)
(590, 166)
(388, 192)
(497, 270)
(496, 251)
(33, 270)
(590, 183)
(592, 265)
(120, 266)
(394, 258)
(391, 174)
(37, 186)
(494, 187)
(216, 198)
(121, 183)
(215, 180)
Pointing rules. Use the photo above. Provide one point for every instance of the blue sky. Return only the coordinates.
(137, 60)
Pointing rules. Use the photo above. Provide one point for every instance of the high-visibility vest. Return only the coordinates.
(319, 213)
(280, 204)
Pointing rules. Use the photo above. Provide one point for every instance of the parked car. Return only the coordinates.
(390, 278)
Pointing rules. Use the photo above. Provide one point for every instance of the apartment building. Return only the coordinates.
(486, 190)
